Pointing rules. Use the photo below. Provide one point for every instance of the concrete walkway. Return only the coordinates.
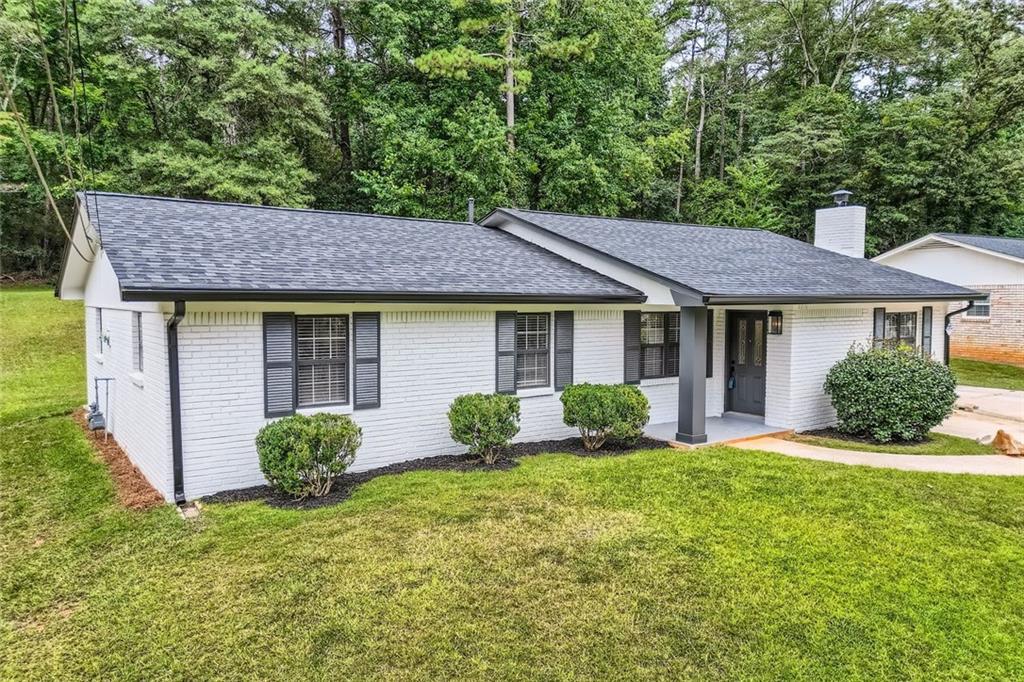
(989, 465)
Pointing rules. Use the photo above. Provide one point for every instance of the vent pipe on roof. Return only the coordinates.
(471, 210)
(841, 228)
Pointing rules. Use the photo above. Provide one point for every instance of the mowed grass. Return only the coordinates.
(934, 444)
(988, 374)
(715, 564)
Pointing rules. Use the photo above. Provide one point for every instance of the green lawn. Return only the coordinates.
(990, 374)
(935, 444)
(716, 564)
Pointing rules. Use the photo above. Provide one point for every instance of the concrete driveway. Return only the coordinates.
(983, 411)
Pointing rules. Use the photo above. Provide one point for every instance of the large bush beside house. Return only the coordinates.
(602, 411)
(301, 455)
(485, 423)
(890, 394)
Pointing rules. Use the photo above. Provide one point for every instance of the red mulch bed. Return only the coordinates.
(133, 490)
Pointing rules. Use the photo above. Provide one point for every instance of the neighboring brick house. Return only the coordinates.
(213, 319)
(993, 329)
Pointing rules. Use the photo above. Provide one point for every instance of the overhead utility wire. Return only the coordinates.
(27, 140)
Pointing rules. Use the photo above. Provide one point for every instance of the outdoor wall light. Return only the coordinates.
(775, 322)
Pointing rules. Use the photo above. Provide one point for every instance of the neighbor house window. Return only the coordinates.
(137, 341)
(659, 345)
(322, 357)
(533, 334)
(900, 329)
(982, 308)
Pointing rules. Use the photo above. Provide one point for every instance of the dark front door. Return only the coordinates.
(747, 337)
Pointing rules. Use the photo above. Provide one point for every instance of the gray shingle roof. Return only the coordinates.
(158, 246)
(1005, 245)
(728, 262)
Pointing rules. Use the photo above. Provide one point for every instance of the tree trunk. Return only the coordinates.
(724, 106)
(339, 36)
(699, 138)
(510, 84)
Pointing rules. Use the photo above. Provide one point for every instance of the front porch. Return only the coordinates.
(725, 429)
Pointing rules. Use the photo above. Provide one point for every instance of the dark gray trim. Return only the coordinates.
(715, 299)
(499, 353)
(275, 296)
(691, 426)
(709, 370)
(926, 331)
(631, 346)
(878, 327)
(356, 360)
(290, 365)
(177, 463)
(945, 329)
(564, 346)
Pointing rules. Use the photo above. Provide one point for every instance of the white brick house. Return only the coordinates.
(213, 319)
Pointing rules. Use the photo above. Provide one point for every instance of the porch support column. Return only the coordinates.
(693, 331)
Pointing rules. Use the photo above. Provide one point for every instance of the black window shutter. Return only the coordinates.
(366, 351)
(709, 370)
(278, 364)
(879, 333)
(926, 331)
(563, 348)
(505, 346)
(631, 360)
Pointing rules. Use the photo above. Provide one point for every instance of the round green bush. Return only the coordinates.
(485, 423)
(301, 455)
(890, 394)
(602, 411)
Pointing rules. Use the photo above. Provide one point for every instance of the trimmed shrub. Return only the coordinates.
(602, 411)
(485, 423)
(301, 455)
(890, 394)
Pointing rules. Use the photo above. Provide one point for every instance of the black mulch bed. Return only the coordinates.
(839, 435)
(346, 484)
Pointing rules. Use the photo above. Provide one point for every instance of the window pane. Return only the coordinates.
(652, 328)
(758, 343)
(892, 323)
(672, 360)
(651, 359)
(319, 384)
(982, 308)
(673, 327)
(322, 348)
(532, 356)
(322, 338)
(741, 340)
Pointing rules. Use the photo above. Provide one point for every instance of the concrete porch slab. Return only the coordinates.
(720, 430)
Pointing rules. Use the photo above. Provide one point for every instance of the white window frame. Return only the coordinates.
(137, 347)
(974, 317)
(346, 361)
(549, 351)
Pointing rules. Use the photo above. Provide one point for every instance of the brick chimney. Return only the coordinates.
(840, 228)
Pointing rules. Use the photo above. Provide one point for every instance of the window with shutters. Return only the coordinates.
(322, 358)
(533, 355)
(659, 345)
(900, 329)
(137, 341)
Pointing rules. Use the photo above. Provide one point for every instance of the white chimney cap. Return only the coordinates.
(842, 197)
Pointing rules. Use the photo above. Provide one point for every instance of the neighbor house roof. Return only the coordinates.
(1006, 246)
(163, 249)
(727, 264)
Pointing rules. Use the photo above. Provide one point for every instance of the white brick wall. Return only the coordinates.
(427, 359)
(815, 338)
(138, 416)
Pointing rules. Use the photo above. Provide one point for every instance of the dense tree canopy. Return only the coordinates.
(738, 112)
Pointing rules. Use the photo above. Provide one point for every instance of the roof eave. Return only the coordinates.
(299, 296)
(718, 299)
